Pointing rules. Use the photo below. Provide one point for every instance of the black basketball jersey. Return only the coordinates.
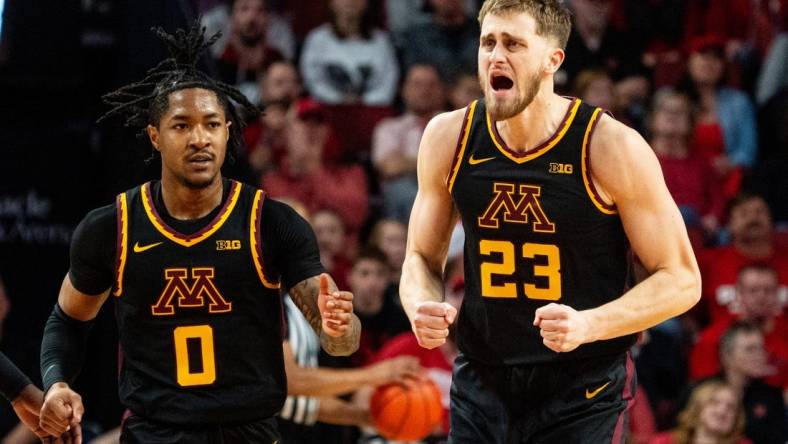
(199, 316)
(536, 232)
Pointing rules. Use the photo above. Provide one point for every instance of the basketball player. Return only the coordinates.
(195, 264)
(551, 193)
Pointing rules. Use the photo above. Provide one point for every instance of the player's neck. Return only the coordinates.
(185, 203)
(534, 124)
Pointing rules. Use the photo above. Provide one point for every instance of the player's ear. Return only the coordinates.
(227, 137)
(555, 57)
(153, 135)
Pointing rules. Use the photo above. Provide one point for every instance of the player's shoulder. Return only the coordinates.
(101, 217)
(617, 150)
(443, 130)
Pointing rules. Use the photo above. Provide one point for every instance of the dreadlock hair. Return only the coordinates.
(144, 102)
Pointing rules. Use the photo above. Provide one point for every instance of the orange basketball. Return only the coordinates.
(406, 413)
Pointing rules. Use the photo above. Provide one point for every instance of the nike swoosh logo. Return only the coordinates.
(140, 248)
(473, 161)
(590, 395)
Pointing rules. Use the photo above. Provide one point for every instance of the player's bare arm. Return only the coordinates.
(431, 222)
(626, 173)
(63, 409)
(330, 313)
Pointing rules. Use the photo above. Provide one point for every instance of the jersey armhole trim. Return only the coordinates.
(585, 163)
(254, 239)
(122, 241)
(462, 142)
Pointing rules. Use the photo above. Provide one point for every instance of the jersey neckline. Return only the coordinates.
(203, 233)
(521, 157)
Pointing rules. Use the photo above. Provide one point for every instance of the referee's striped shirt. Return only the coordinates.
(306, 347)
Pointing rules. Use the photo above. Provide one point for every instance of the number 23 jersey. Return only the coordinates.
(536, 232)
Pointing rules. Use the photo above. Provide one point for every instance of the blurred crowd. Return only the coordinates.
(349, 85)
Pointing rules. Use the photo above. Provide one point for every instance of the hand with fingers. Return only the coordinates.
(562, 328)
(431, 322)
(61, 413)
(336, 308)
(398, 369)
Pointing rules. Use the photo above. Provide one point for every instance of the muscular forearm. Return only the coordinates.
(346, 344)
(419, 283)
(339, 412)
(663, 295)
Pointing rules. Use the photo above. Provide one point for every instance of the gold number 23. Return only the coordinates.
(552, 270)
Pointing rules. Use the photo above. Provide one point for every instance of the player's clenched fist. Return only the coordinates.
(336, 308)
(62, 411)
(431, 322)
(562, 327)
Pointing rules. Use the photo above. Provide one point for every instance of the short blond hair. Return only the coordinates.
(553, 19)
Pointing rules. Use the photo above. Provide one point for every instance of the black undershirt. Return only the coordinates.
(284, 235)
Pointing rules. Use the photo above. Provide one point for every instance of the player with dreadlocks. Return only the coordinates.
(195, 263)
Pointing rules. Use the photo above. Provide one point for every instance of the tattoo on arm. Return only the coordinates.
(305, 294)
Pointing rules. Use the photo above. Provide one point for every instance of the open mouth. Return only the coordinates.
(501, 83)
(200, 160)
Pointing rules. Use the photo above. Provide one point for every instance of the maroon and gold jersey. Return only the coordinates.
(536, 232)
(200, 315)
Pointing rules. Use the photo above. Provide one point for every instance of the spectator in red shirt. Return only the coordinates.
(756, 302)
(752, 240)
(266, 141)
(246, 54)
(689, 178)
(332, 241)
(381, 319)
(390, 236)
(305, 176)
(714, 414)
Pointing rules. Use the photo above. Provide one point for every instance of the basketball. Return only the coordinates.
(406, 413)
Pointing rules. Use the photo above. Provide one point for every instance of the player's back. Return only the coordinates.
(536, 232)
(200, 321)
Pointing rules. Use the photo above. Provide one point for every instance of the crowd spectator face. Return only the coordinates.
(671, 116)
(596, 88)
(390, 236)
(348, 9)
(750, 221)
(757, 294)
(330, 232)
(714, 411)
(745, 355)
(447, 8)
(280, 83)
(706, 67)
(593, 13)
(422, 91)
(465, 90)
(307, 134)
(249, 19)
(368, 281)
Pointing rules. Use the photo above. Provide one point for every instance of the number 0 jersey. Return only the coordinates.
(536, 232)
(200, 315)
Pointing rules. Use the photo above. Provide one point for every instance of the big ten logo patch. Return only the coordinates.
(228, 245)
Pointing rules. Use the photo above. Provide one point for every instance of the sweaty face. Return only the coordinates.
(719, 414)
(192, 137)
(511, 57)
